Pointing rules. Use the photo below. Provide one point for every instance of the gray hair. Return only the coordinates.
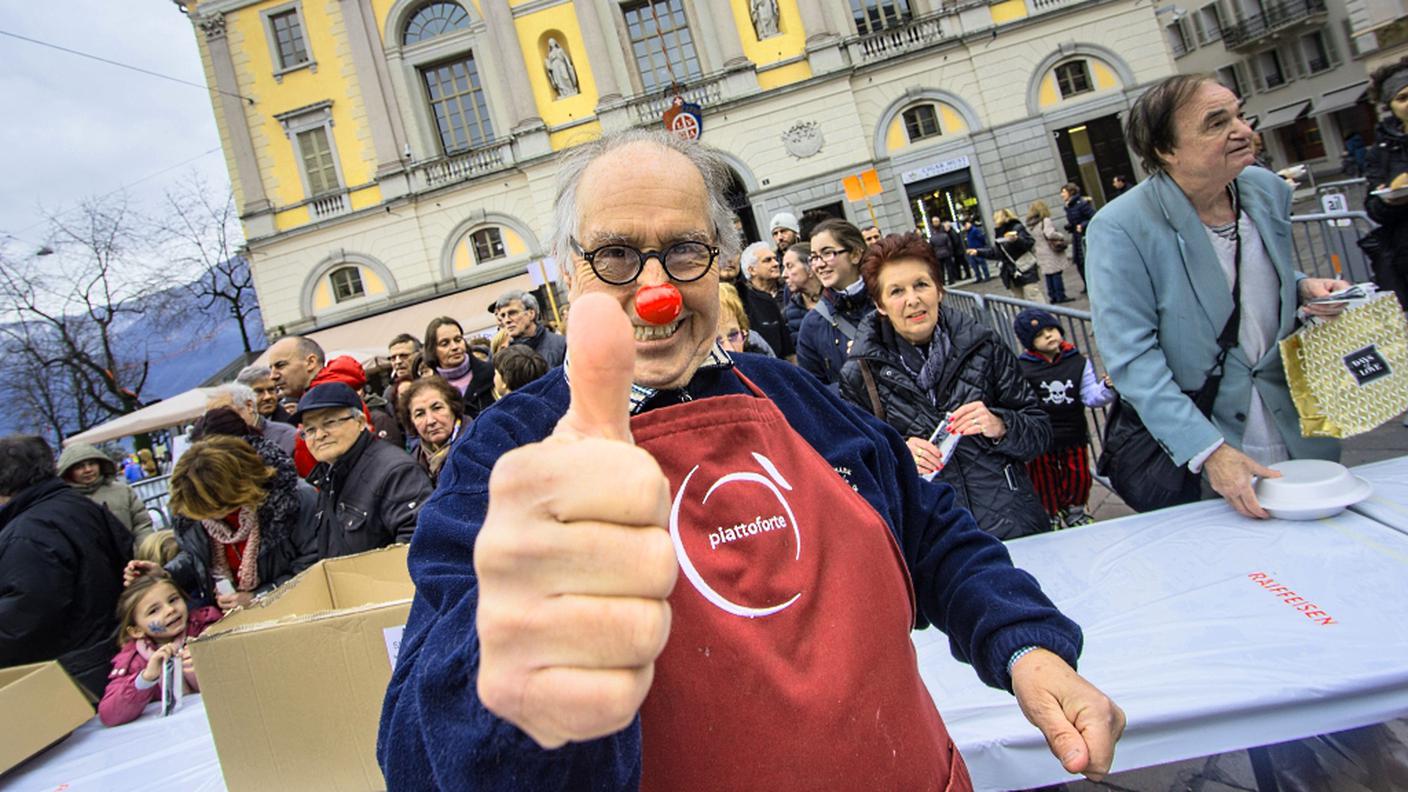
(750, 256)
(574, 162)
(239, 394)
(530, 302)
(252, 374)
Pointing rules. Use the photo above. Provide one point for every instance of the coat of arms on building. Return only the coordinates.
(803, 139)
(685, 119)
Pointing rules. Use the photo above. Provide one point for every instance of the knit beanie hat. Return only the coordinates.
(1030, 322)
(785, 220)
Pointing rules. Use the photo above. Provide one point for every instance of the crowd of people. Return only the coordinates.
(825, 356)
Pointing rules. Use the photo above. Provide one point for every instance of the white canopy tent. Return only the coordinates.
(181, 408)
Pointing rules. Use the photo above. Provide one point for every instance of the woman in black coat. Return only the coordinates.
(230, 498)
(914, 362)
(1010, 241)
(1388, 168)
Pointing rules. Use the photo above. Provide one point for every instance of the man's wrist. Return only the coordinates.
(1018, 655)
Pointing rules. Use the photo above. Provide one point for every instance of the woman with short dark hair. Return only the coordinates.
(433, 412)
(1192, 278)
(918, 366)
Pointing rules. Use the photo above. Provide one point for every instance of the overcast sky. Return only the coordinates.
(76, 128)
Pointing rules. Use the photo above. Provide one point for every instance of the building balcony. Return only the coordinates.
(472, 164)
(325, 206)
(914, 34)
(1035, 7)
(648, 108)
(1274, 18)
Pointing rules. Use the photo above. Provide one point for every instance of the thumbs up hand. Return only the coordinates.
(574, 561)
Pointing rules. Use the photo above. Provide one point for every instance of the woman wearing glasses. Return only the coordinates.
(447, 352)
(241, 519)
(828, 329)
(919, 367)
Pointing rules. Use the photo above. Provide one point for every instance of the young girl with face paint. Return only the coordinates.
(153, 625)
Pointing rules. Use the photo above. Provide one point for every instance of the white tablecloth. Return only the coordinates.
(1389, 503)
(152, 752)
(1202, 658)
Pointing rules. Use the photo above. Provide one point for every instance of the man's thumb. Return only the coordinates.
(601, 357)
(1066, 743)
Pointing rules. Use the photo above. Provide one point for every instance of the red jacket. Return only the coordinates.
(123, 701)
(340, 369)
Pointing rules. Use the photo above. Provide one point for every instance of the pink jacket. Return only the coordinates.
(123, 701)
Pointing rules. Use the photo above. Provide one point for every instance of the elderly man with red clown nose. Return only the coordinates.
(663, 566)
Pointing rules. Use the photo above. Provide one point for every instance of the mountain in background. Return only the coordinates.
(186, 341)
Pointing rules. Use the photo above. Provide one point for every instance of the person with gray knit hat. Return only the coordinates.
(94, 474)
(784, 231)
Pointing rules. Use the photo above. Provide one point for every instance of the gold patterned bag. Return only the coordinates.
(1349, 375)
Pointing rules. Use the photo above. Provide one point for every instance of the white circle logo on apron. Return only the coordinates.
(726, 535)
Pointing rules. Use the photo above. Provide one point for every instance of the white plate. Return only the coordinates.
(1401, 192)
(1310, 489)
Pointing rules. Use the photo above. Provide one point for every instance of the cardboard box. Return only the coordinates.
(41, 705)
(293, 684)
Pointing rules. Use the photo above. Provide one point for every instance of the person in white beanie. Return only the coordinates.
(784, 231)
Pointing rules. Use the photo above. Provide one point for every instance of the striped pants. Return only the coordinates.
(1062, 478)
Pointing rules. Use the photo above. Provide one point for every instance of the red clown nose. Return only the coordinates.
(658, 304)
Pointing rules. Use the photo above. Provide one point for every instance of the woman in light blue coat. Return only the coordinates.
(1161, 262)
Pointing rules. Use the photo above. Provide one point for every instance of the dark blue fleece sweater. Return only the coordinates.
(435, 733)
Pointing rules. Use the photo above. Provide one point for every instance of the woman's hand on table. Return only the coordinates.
(927, 457)
(1311, 288)
(1230, 473)
(975, 418)
(1080, 723)
(230, 602)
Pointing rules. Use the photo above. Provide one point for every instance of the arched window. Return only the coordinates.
(921, 121)
(433, 20)
(346, 284)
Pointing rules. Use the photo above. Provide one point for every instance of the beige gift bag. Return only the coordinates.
(1349, 375)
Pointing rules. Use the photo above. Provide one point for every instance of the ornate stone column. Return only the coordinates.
(382, 110)
(232, 109)
(502, 40)
(823, 41)
(608, 89)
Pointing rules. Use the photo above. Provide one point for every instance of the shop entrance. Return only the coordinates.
(950, 196)
(1093, 152)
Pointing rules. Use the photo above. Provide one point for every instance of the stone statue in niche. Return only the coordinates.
(764, 13)
(561, 73)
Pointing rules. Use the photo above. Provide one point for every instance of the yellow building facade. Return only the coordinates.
(393, 160)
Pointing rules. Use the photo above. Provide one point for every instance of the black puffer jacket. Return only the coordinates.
(1387, 159)
(61, 560)
(368, 498)
(288, 539)
(989, 477)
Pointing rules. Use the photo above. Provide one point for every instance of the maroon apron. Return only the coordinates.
(789, 664)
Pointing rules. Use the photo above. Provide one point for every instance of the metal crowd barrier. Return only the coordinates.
(998, 312)
(154, 493)
(1325, 246)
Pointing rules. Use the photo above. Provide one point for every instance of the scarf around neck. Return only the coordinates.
(925, 362)
(248, 532)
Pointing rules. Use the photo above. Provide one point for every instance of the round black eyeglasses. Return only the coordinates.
(620, 265)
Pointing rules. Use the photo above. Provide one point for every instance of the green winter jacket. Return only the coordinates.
(109, 490)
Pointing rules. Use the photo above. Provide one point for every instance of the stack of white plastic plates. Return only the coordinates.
(1310, 489)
